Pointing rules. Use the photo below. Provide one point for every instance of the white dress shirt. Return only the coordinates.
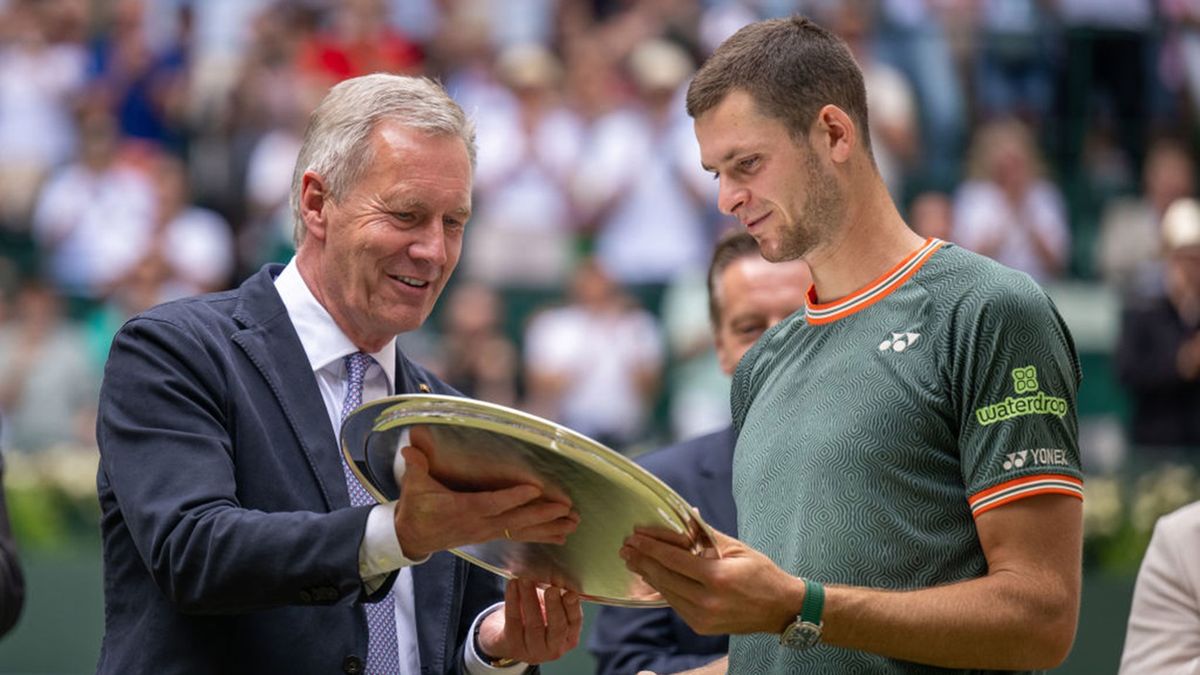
(379, 554)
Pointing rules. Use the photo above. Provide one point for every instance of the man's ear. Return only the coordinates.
(836, 133)
(314, 200)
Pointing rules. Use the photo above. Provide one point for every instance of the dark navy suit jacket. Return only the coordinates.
(229, 542)
(628, 640)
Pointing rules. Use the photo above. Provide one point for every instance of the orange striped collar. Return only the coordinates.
(817, 314)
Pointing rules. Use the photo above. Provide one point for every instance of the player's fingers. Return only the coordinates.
(679, 560)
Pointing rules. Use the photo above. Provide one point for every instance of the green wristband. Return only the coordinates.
(814, 602)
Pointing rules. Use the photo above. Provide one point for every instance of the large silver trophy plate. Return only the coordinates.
(473, 445)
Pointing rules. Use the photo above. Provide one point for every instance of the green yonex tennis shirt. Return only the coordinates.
(872, 432)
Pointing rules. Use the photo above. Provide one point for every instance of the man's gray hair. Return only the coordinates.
(337, 141)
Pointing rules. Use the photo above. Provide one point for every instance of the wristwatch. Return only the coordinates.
(805, 631)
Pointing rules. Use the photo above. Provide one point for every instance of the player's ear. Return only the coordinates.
(836, 133)
(314, 202)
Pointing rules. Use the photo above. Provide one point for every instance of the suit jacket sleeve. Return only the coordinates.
(625, 641)
(1163, 635)
(166, 452)
(12, 581)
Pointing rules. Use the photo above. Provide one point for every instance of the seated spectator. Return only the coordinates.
(1163, 635)
(932, 215)
(1129, 251)
(1008, 211)
(747, 295)
(1158, 351)
(48, 388)
(94, 217)
(594, 365)
(525, 222)
(477, 358)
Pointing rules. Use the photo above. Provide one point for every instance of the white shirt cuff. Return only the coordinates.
(476, 664)
(379, 554)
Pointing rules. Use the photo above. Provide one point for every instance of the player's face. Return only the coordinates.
(774, 184)
(753, 295)
(389, 245)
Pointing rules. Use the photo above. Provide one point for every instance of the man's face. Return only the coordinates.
(753, 295)
(776, 186)
(388, 246)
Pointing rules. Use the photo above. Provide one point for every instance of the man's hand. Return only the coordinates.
(536, 626)
(743, 591)
(431, 517)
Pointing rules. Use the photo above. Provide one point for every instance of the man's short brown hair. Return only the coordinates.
(791, 68)
(733, 246)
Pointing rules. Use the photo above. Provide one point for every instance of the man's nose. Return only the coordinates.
(430, 244)
(730, 197)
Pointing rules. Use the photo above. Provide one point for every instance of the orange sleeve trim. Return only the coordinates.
(1020, 488)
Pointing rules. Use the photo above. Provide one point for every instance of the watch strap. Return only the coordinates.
(814, 602)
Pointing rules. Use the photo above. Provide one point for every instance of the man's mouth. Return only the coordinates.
(751, 223)
(409, 281)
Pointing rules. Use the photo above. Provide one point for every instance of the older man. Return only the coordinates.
(235, 539)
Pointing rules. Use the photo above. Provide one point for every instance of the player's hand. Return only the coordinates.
(536, 626)
(743, 591)
(431, 517)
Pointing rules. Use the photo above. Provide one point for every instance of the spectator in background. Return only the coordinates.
(1106, 46)
(42, 69)
(594, 365)
(642, 161)
(1008, 211)
(191, 247)
(525, 222)
(913, 37)
(48, 387)
(747, 296)
(895, 131)
(477, 357)
(359, 40)
(1163, 635)
(145, 88)
(931, 214)
(1129, 250)
(1182, 48)
(94, 217)
(1158, 352)
(1014, 75)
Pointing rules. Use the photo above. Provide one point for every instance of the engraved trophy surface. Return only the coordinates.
(473, 445)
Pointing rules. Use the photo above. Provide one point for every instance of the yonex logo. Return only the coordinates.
(899, 342)
(1037, 457)
(1015, 460)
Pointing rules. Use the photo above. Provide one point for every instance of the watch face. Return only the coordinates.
(801, 635)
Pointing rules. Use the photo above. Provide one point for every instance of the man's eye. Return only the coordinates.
(404, 216)
(748, 163)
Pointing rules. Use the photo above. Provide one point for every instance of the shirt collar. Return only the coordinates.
(323, 340)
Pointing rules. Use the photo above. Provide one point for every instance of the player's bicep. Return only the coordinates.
(1039, 538)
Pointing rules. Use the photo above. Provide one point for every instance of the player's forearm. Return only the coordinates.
(1004, 621)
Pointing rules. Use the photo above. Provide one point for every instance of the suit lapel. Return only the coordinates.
(271, 343)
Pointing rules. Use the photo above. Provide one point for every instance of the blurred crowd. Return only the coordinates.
(147, 148)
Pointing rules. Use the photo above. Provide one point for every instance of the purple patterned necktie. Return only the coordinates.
(382, 649)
